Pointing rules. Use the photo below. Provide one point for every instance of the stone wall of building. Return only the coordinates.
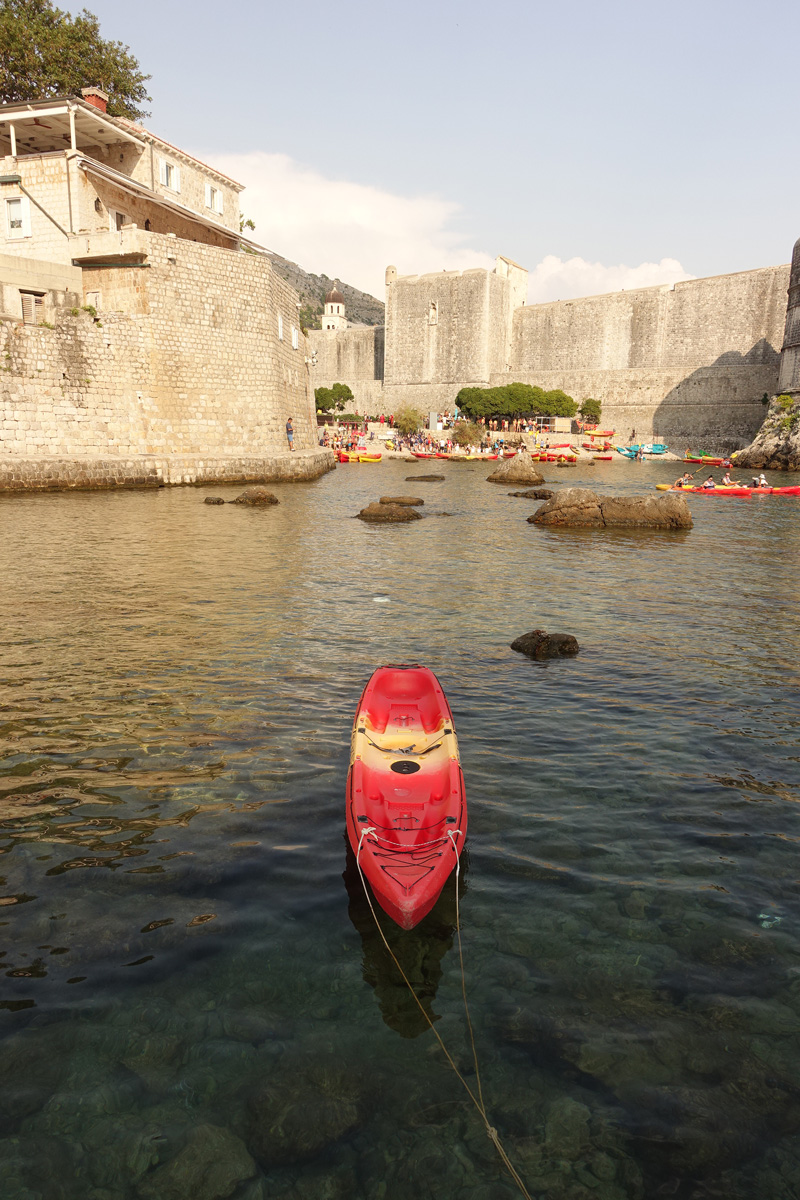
(197, 353)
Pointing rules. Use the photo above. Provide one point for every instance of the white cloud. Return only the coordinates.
(554, 279)
(353, 231)
(348, 230)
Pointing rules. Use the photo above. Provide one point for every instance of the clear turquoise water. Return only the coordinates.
(195, 1001)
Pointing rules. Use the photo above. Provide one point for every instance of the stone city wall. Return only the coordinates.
(691, 361)
(351, 356)
(196, 354)
(789, 380)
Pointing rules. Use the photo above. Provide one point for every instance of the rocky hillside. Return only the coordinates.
(360, 308)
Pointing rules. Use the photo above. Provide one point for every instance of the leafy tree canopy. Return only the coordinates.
(332, 399)
(590, 409)
(515, 400)
(46, 52)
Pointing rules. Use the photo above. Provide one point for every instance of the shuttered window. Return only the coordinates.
(213, 198)
(32, 307)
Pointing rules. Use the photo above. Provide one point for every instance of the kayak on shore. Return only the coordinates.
(406, 804)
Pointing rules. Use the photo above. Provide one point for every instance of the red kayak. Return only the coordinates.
(719, 490)
(406, 804)
(422, 454)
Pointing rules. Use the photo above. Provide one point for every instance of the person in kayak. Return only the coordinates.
(709, 483)
(762, 480)
(684, 481)
(728, 482)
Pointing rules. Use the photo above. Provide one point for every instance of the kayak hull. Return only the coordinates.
(406, 803)
(732, 491)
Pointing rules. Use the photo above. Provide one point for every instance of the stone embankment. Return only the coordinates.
(581, 508)
(777, 444)
(97, 474)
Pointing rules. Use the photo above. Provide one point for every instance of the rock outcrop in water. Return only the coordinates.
(538, 644)
(388, 514)
(777, 443)
(213, 500)
(581, 508)
(408, 501)
(424, 478)
(535, 494)
(256, 497)
(519, 469)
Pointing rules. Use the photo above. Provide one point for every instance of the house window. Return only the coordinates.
(18, 217)
(169, 175)
(295, 338)
(213, 198)
(121, 219)
(32, 307)
(280, 327)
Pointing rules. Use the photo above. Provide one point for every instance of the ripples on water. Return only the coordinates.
(196, 1001)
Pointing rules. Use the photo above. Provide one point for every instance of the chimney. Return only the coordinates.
(94, 95)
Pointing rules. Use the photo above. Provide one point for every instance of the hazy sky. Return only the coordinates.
(600, 145)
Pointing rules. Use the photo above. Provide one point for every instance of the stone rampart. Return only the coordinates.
(690, 362)
(194, 353)
(351, 356)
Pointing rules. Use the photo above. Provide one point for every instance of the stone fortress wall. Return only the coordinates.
(691, 361)
(195, 355)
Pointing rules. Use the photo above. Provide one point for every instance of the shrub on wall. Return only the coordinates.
(590, 409)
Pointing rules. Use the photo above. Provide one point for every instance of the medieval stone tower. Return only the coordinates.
(334, 315)
(789, 378)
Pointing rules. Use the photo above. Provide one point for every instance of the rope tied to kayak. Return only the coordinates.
(477, 1100)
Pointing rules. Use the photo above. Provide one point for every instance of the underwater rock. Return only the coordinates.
(519, 469)
(256, 496)
(410, 501)
(385, 514)
(213, 500)
(566, 1128)
(210, 1166)
(535, 494)
(538, 644)
(298, 1115)
(424, 478)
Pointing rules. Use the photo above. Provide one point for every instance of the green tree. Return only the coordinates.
(590, 410)
(408, 419)
(46, 52)
(515, 400)
(332, 399)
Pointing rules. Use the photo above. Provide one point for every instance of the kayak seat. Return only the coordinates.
(403, 699)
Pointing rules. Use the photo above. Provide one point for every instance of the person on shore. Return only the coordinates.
(709, 483)
(290, 433)
(684, 481)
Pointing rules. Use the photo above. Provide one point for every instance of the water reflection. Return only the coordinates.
(419, 951)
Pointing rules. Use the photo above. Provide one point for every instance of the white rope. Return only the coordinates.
(476, 1100)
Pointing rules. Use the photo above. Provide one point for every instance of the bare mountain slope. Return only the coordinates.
(360, 308)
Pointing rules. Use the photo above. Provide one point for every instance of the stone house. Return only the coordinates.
(134, 318)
